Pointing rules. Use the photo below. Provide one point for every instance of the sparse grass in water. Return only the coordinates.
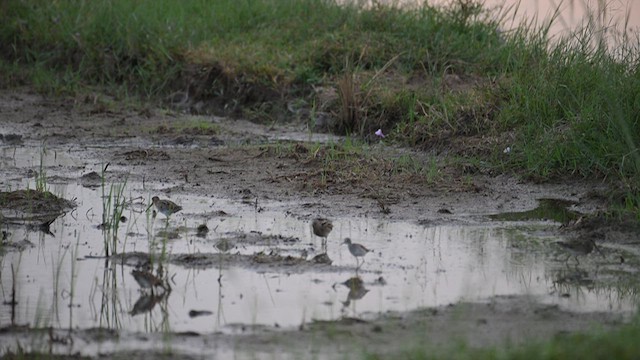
(41, 176)
(190, 127)
(113, 204)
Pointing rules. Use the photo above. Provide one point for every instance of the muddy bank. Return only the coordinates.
(229, 174)
(232, 164)
(498, 321)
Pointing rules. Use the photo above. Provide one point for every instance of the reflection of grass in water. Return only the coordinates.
(41, 318)
(48, 308)
(56, 271)
(220, 310)
(528, 251)
(578, 282)
(14, 301)
(113, 205)
(547, 209)
(72, 283)
(158, 261)
(110, 307)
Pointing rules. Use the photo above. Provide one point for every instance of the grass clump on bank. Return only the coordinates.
(440, 78)
(250, 52)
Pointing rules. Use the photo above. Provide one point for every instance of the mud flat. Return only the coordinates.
(462, 256)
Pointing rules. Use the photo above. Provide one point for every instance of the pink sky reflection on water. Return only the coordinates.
(616, 16)
(573, 13)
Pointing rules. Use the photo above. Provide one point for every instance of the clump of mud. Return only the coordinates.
(32, 207)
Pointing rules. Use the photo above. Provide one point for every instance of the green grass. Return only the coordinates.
(193, 126)
(147, 44)
(616, 344)
(430, 77)
(113, 204)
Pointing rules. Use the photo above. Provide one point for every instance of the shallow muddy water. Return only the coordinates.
(64, 280)
(608, 19)
(571, 13)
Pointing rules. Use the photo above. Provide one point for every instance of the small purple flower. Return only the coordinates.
(379, 133)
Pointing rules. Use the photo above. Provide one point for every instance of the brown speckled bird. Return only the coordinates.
(166, 207)
(147, 280)
(322, 227)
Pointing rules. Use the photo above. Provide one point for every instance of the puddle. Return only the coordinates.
(24, 157)
(547, 209)
(63, 280)
(257, 264)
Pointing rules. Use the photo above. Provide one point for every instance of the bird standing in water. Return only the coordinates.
(356, 250)
(166, 207)
(147, 280)
(322, 227)
(577, 248)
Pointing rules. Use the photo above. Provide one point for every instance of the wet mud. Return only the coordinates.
(32, 207)
(458, 256)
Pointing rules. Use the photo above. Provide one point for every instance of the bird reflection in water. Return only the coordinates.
(153, 289)
(356, 290)
(146, 302)
(579, 247)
